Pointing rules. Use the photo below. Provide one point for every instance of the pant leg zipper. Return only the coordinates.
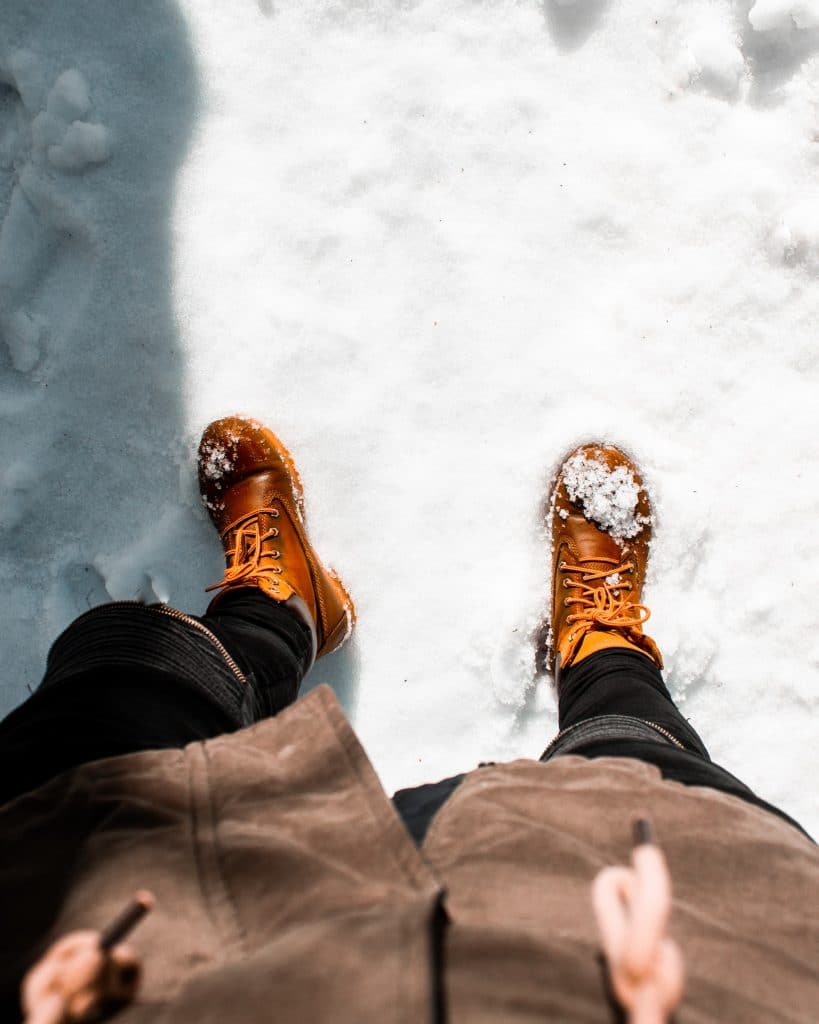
(658, 728)
(666, 733)
(174, 613)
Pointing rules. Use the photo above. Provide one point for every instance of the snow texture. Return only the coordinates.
(432, 246)
(769, 15)
(608, 497)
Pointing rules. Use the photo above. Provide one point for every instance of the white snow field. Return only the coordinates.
(434, 245)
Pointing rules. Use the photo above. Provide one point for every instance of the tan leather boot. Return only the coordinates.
(251, 488)
(601, 530)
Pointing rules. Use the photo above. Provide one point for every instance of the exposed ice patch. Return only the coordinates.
(607, 496)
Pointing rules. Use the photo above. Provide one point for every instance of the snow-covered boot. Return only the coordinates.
(601, 530)
(252, 491)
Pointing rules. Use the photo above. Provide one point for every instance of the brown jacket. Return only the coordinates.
(288, 889)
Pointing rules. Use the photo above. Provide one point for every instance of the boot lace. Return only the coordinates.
(248, 561)
(602, 597)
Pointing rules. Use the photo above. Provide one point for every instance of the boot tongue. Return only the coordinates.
(591, 544)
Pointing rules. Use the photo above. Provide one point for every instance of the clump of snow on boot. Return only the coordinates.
(607, 496)
(215, 462)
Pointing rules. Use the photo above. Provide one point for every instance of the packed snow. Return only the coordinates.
(433, 246)
(606, 496)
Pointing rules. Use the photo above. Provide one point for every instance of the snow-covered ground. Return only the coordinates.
(434, 245)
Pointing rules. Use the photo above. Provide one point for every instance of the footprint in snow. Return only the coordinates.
(78, 587)
(47, 137)
(778, 38)
(748, 50)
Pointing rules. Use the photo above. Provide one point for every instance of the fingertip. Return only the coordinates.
(146, 899)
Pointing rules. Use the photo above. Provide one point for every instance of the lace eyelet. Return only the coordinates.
(275, 554)
(275, 513)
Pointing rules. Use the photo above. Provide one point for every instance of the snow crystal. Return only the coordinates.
(607, 496)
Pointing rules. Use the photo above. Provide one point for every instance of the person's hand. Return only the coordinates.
(77, 979)
(632, 906)
(85, 973)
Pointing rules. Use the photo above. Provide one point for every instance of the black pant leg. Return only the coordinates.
(418, 805)
(101, 714)
(622, 682)
(126, 677)
(627, 683)
(272, 645)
